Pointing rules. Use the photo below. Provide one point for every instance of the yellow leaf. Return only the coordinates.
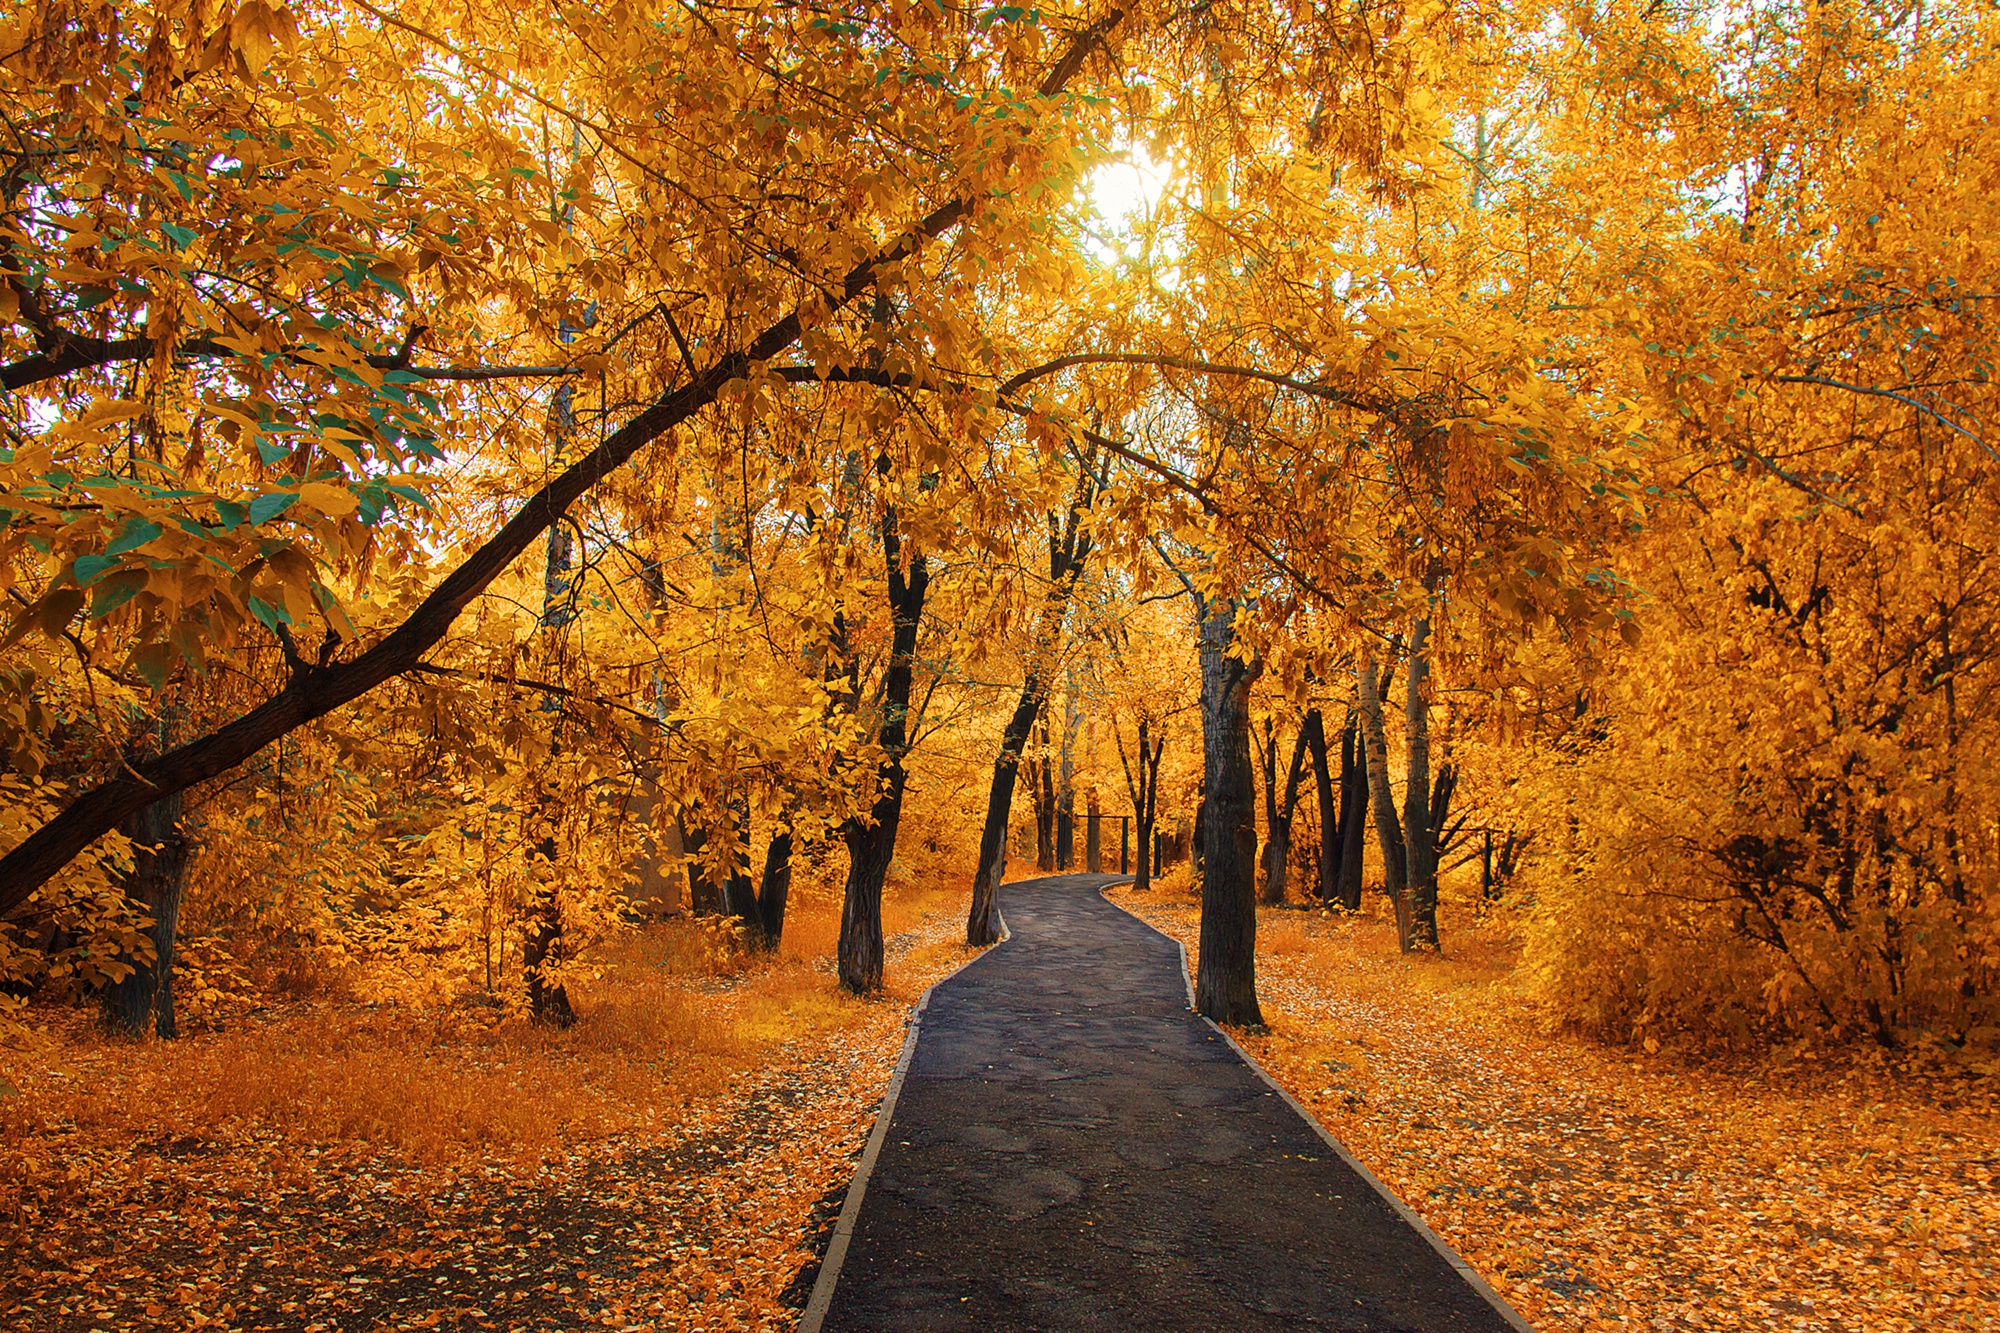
(334, 501)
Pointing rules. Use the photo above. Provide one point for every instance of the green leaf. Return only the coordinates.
(270, 616)
(135, 533)
(267, 507)
(154, 660)
(115, 591)
(90, 568)
(180, 236)
(231, 514)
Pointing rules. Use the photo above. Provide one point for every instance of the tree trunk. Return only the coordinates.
(1226, 974)
(1198, 849)
(1093, 837)
(1066, 782)
(766, 919)
(31, 862)
(1143, 786)
(1388, 831)
(739, 891)
(159, 875)
(982, 922)
(1279, 813)
(1420, 829)
(1329, 810)
(1069, 546)
(871, 842)
(1267, 770)
(1045, 806)
(1353, 821)
(704, 895)
(543, 949)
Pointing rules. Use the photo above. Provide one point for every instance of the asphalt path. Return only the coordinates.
(1072, 1149)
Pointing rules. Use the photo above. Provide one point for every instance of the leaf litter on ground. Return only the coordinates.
(689, 1193)
(1598, 1188)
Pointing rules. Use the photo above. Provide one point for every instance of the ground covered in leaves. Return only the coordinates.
(674, 1162)
(1606, 1189)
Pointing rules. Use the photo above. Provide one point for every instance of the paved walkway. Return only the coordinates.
(1072, 1149)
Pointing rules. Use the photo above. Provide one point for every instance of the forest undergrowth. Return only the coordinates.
(672, 1162)
(1600, 1187)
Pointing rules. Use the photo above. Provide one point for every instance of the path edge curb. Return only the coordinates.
(830, 1263)
(1457, 1261)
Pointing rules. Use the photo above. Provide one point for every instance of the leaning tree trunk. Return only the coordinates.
(982, 922)
(1388, 831)
(159, 874)
(1069, 547)
(1225, 987)
(1420, 831)
(871, 842)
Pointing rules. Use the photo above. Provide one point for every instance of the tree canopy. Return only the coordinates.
(467, 466)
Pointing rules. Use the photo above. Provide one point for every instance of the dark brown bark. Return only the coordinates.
(1329, 809)
(739, 891)
(704, 894)
(1225, 987)
(1198, 847)
(1066, 783)
(982, 922)
(774, 889)
(1279, 811)
(1421, 822)
(316, 690)
(1045, 805)
(1069, 547)
(1352, 823)
(1143, 785)
(158, 877)
(871, 841)
(1388, 829)
(542, 950)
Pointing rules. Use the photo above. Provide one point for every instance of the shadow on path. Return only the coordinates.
(1073, 1149)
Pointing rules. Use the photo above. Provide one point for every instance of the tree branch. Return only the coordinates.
(52, 846)
(73, 352)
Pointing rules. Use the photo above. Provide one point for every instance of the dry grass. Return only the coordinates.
(675, 1145)
(674, 1012)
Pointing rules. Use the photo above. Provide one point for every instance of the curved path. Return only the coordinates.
(1073, 1149)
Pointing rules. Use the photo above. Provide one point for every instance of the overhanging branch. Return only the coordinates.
(52, 846)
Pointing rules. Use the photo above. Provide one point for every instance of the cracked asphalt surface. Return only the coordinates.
(1073, 1149)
